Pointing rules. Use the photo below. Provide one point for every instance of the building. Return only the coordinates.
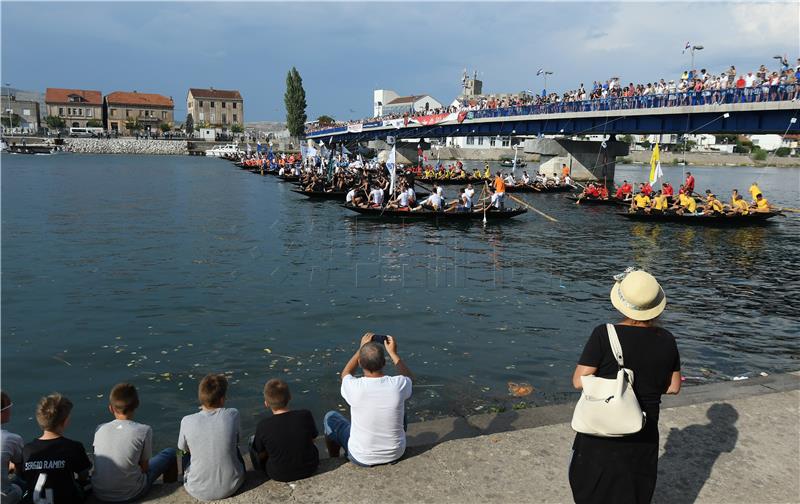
(215, 107)
(20, 115)
(144, 113)
(78, 108)
(386, 102)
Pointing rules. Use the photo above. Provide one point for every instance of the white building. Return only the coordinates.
(481, 142)
(387, 102)
(767, 142)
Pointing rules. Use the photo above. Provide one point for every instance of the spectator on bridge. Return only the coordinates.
(375, 434)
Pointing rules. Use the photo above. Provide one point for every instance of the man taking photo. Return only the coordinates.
(376, 434)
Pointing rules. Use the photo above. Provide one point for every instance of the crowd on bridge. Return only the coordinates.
(692, 87)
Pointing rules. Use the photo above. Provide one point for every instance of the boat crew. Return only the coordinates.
(762, 205)
(486, 173)
(376, 197)
(469, 191)
(466, 200)
(509, 179)
(686, 203)
(640, 202)
(500, 190)
(568, 181)
(432, 202)
(602, 193)
(646, 189)
(564, 170)
(713, 205)
(659, 203)
(667, 190)
(557, 181)
(525, 178)
(740, 206)
(688, 186)
(754, 191)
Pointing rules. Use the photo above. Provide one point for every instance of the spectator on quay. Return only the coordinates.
(52, 461)
(12, 488)
(284, 441)
(624, 469)
(377, 406)
(212, 466)
(123, 467)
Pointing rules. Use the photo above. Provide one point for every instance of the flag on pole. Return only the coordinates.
(540, 71)
(686, 48)
(655, 166)
(391, 165)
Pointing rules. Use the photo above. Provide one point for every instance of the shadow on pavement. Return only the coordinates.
(690, 454)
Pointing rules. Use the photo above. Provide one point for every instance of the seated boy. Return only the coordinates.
(212, 466)
(51, 461)
(285, 440)
(11, 490)
(123, 469)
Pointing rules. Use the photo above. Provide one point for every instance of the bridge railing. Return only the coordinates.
(693, 98)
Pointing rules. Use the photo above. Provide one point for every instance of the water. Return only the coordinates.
(158, 270)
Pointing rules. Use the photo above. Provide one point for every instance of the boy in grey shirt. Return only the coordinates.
(212, 467)
(123, 468)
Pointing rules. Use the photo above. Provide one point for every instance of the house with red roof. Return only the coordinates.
(218, 108)
(128, 113)
(78, 108)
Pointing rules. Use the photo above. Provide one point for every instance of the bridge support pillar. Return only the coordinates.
(587, 160)
(406, 151)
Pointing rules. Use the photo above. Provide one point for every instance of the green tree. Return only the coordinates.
(164, 127)
(295, 100)
(237, 128)
(54, 122)
(759, 154)
(782, 151)
(189, 123)
(325, 120)
(133, 125)
(11, 121)
(627, 139)
(94, 123)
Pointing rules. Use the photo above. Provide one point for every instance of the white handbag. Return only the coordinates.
(608, 407)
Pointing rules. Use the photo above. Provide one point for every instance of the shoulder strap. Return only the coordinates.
(616, 347)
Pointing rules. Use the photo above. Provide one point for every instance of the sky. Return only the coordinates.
(344, 50)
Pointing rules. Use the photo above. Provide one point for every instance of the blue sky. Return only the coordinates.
(345, 50)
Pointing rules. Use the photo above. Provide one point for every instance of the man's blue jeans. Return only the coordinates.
(156, 466)
(337, 429)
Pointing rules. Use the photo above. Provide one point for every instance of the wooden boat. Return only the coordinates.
(738, 220)
(509, 163)
(288, 178)
(611, 201)
(453, 181)
(527, 188)
(322, 195)
(387, 214)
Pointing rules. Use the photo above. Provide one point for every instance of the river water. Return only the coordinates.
(158, 270)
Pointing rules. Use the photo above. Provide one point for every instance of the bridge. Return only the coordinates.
(735, 111)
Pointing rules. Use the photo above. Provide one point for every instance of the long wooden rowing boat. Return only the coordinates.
(527, 188)
(738, 220)
(612, 201)
(322, 195)
(387, 214)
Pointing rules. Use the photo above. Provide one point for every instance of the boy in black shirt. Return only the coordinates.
(52, 461)
(284, 442)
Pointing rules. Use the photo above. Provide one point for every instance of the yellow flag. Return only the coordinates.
(655, 166)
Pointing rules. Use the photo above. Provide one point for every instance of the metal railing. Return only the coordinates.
(757, 94)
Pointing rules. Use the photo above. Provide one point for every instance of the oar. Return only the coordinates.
(787, 209)
(485, 188)
(532, 208)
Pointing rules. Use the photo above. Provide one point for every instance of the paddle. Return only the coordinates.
(486, 189)
(532, 208)
(787, 209)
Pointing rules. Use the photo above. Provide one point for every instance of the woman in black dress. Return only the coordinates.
(622, 470)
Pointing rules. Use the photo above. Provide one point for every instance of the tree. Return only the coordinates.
(165, 127)
(94, 123)
(782, 151)
(189, 123)
(295, 99)
(54, 122)
(237, 128)
(325, 120)
(133, 125)
(11, 121)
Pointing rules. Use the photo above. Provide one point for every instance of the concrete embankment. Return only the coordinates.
(126, 146)
(720, 443)
(712, 159)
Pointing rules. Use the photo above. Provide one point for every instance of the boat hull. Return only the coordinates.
(385, 214)
(733, 221)
(600, 202)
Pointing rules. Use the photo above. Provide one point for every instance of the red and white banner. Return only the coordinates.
(430, 120)
(355, 128)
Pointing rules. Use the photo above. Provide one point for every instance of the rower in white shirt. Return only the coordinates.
(469, 191)
(525, 178)
(510, 179)
(376, 196)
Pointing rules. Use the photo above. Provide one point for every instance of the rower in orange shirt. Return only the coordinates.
(499, 190)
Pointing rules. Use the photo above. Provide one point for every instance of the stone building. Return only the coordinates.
(218, 108)
(77, 107)
(19, 115)
(144, 113)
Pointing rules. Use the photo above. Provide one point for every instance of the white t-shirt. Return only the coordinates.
(350, 195)
(403, 199)
(411, 194)
(377, 407)
(749, 80)
(434, 200)
(470, 193)
(376, 195)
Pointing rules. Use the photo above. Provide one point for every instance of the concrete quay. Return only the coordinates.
(720, 443)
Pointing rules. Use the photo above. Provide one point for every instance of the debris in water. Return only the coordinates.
(520, 389)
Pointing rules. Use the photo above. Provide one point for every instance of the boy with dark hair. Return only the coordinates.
(123, 468)
(51, 461)
(212, 467)
(11, 491)
(284, 441)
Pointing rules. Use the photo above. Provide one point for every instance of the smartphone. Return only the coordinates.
(379, 338)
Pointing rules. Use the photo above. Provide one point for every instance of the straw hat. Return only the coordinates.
(637, 295)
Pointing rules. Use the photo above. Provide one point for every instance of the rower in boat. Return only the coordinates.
(713, 206)
(640, 202)
(432, 202)
(739, 205)
(602, 192)
(686, 203)
(564, 170)
(762, 205)
(688, 186)
(590, 192)
(462, 204)
(509, 179)
(568, 181)
(376, 197)
(667, 191)
(754, 191)
(469, 191)
(486, 173)
(499, 191)
(525, 178)
(646, 189)
(659, 203)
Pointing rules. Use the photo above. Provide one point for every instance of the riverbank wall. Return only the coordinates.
(733, 441)
(710, 159)
(126, 146)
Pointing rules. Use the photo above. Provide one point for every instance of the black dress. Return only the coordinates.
(623, 470)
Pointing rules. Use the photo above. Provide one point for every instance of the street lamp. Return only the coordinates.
(544, 73)
(692, 50)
